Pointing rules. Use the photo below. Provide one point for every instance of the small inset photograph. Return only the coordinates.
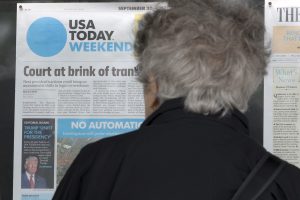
(38, 153)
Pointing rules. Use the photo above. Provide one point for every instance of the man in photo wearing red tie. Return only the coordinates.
(29, 178)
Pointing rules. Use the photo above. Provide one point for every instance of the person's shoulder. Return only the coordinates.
(23, 177)
(93, 161)
(292, 172)
(40, 177)
(289, 181)
(113, 143)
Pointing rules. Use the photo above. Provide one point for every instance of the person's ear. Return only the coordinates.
(153, 86)
(150, 94)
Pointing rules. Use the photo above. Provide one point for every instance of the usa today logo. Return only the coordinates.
(46, 36)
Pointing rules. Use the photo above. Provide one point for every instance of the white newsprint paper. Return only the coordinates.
(282, 84)
(75, 84)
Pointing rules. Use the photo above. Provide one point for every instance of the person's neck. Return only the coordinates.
(29, 174)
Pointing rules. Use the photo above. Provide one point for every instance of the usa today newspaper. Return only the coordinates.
(75, 84)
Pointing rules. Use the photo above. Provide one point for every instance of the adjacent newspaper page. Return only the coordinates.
(282, 84)
(75, 84)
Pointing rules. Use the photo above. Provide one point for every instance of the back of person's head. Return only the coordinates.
(209, 52)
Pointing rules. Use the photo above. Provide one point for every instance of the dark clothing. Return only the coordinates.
(175, 155)
(40, 182)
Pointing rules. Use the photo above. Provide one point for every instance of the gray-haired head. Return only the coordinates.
(31, 164)
(209, 52)
(31, 158)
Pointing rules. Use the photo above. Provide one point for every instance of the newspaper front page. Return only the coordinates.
(282, 84)
(75, 84)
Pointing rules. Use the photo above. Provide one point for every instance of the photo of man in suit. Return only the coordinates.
(30, 179)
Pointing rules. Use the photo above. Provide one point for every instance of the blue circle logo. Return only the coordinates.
(46, 36)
